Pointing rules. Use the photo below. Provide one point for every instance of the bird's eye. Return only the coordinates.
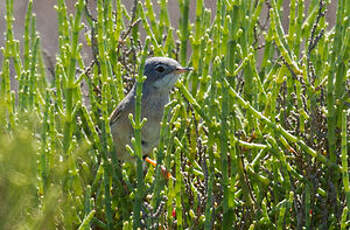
(160, 69)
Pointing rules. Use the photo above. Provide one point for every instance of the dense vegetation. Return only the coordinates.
(250, 143)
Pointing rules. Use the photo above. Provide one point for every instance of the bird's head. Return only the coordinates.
(163, 72)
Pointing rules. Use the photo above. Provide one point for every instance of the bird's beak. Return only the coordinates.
(182, 70)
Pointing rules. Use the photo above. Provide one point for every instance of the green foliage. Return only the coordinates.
(255, 137)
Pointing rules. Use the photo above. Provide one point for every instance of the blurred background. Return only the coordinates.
(47, 20)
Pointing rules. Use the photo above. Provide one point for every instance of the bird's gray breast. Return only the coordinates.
(153, 108)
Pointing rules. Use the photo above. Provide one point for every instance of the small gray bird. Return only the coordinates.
(162, 73)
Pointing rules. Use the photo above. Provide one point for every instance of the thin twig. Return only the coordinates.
(50, 62)
(94, 46)
(313, 41)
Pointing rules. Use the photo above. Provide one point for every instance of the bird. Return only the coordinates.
(162, 73)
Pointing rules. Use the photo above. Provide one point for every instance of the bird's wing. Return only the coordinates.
(116, 114)
(125, 106)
